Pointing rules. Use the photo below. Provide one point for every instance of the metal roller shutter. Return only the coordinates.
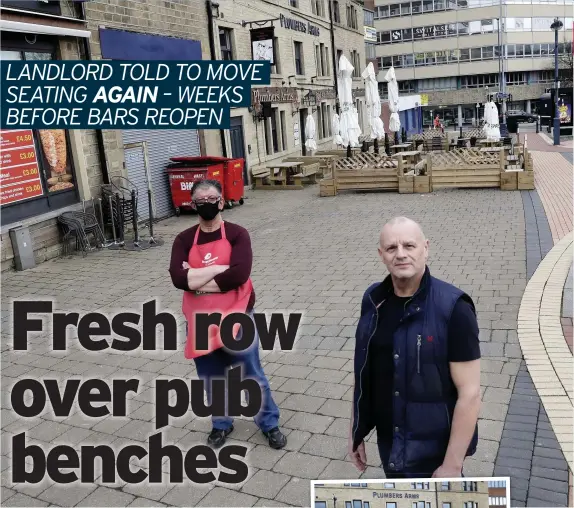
(161, 145)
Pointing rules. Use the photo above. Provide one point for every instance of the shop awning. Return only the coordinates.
(35, 28)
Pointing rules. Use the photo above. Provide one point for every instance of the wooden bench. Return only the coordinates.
(260, 175)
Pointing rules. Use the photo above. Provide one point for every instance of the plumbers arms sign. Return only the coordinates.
(299, 26)
(273, 94)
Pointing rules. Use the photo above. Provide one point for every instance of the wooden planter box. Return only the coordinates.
(327, 188)
(509, 180)
(406, 184)
(525, 180)
(422, 184)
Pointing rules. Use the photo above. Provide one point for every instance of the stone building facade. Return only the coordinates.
(307, 50)
(58, 31)
(402, 494)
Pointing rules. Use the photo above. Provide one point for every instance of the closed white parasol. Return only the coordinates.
(310, 133)
(349, 121)
(393, 90)
(373, 102)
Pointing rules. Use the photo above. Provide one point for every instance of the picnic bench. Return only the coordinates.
(279, 175)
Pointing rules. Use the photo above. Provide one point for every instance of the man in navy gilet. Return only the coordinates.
(417, 365)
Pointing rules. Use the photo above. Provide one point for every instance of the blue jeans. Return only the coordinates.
(215, 365)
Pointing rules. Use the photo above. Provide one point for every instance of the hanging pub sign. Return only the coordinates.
(309, 100)
(358, 92)
(262, 44)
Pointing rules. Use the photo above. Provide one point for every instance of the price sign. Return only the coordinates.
(19, 170)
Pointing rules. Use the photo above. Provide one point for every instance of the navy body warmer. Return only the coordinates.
(424, 395)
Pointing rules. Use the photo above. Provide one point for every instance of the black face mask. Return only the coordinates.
(208, 211)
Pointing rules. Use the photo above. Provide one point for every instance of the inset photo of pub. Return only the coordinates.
(427, 493)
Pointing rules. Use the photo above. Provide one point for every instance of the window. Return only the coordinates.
(329, 133)
(446, 505)
(497, 483)
(420, 486)
(357, 503)
(391, 505)
(272, 136)
(322, 59)
(225, 43)
(369, 18)
(339, 55)
(417, 7)
(299, 66)
(294, 3)
(370, 51)
(497, 501)
(318, 8)
(391, 485)
(470, 504)
(336, 13)
(516, 78)
(320, 504)
(47, 181)
(348, 504)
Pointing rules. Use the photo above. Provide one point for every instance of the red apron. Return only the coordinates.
(236, 300)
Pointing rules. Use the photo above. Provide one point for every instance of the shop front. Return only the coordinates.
(38, 173)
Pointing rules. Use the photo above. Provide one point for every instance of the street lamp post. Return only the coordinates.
(557, 25)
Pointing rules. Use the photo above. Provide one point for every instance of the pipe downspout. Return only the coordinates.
(212, 51)
(99, 133)
(334, 54)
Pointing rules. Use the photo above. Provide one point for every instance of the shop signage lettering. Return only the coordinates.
(19, 170)
(395, 495)
(299, 26)
(273, 94)
(323, 95)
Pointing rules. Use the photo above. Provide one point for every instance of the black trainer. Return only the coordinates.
(276, 439)
(217, 437)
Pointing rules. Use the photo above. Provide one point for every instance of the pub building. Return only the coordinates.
(402, 494)
(304, 48)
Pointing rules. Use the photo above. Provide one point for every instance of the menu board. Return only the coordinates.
(19, 170)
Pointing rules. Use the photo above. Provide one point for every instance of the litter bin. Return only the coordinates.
(185, 171)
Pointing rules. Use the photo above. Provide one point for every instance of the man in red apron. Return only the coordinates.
(211, 263)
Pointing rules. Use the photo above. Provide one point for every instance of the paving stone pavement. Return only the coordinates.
(314, 255)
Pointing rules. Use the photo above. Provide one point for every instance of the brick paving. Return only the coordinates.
(312, 254)
(315, 255)
(542, 142)
(553, 181)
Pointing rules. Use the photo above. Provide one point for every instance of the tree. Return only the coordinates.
(565, 66)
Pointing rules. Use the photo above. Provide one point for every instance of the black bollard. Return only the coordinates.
(376, 145)
(387, 145)
(460, 135)
(349, 154)
(364, 147)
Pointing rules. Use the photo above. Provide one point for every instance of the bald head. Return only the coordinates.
(403, 248)
(404, 224)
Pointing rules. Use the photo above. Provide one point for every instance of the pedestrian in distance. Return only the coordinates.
(416, 365)
(211, 262)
